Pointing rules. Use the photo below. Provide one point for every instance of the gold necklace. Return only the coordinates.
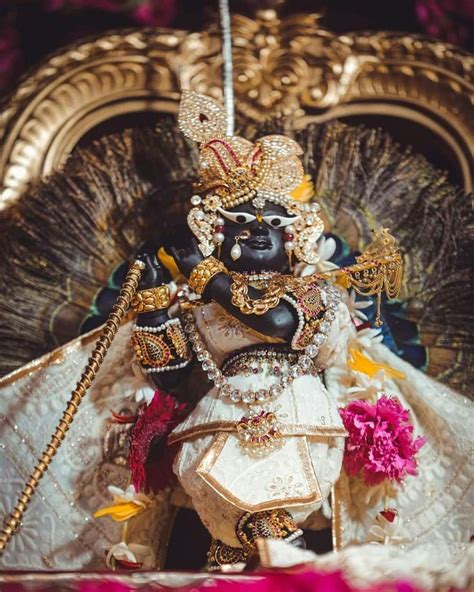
(271, 297)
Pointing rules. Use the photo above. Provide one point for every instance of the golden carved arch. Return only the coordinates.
(282, 66)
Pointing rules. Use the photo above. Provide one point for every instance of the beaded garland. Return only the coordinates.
(303, 363)
(304, 335)
(266, 359)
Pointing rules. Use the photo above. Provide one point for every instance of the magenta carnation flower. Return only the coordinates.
(380, 443)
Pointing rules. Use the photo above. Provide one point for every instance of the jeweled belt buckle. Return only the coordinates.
(259, 432)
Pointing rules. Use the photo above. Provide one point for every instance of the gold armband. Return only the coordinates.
(152, 299)
(161, 348)
(203, 272)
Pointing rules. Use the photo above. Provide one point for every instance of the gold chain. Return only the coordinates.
(271, 298)
(368, 277)
(379, 269)
(102, 345)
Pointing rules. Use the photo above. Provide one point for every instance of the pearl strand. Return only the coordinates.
(167, 368)
(158, 329)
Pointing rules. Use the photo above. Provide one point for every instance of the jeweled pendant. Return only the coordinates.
(236, 252)
(259, 432)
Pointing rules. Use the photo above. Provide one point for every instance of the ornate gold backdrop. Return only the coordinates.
(291, 67)
(282, 66)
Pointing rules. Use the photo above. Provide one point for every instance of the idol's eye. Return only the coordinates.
(280, 221)
(237, 217)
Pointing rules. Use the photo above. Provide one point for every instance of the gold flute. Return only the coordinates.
(129, 287)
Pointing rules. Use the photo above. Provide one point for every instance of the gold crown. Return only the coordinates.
(232, 167)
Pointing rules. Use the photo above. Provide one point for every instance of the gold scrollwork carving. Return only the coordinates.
(283, 66)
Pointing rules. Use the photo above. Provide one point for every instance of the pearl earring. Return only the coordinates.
(236, 251)
(288, 237)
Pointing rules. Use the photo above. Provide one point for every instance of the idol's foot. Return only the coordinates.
(269, 524)
(222, 557)
(254, 561)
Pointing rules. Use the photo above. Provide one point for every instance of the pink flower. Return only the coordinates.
(380, 443)
(10, 56)
(449, 20)
(150, 457)
(154, 13)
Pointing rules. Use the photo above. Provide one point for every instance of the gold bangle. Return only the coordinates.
(204, 272)
(152, 299)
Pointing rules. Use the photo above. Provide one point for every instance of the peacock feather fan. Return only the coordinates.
(65, 244)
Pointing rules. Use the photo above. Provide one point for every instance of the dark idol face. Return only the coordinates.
(263, 248)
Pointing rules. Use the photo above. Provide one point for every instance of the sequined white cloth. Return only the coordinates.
(438, 566)
(58, 531)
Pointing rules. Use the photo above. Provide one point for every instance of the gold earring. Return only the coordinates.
(290, 260)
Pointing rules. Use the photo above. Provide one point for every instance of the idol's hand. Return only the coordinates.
(187, 257)
(152, 275)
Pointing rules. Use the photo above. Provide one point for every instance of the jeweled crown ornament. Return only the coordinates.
(234, 171)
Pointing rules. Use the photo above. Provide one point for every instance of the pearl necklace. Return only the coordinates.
(304, 363)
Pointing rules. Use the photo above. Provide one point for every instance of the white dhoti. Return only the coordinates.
(224, 479)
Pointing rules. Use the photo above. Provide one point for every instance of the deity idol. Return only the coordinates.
(310, 420)
(262, 449)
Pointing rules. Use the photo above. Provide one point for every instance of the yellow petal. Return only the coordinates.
(121, 511)
(361, 363)
(343, 281)
(168, 262)
(305, 191)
